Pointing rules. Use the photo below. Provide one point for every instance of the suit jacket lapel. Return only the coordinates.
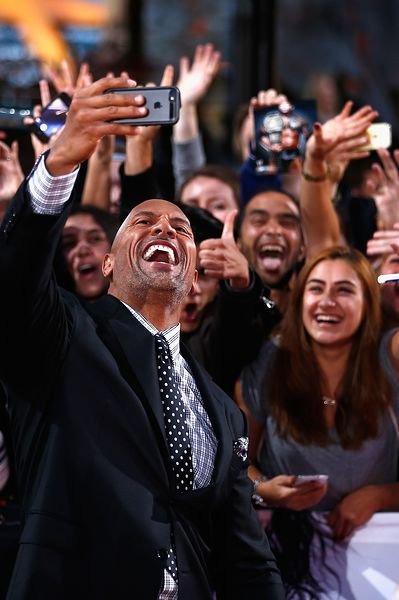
(133, 347)
(134, 350)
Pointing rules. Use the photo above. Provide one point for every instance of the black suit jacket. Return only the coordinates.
(91, 452)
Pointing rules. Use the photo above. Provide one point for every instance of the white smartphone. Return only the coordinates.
(380, 136)
(302, 479)
(388, 277)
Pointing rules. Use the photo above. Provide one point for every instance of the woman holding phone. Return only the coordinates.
(323, 398)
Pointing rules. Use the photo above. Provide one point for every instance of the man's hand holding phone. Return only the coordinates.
(162, 102)
(91, 116)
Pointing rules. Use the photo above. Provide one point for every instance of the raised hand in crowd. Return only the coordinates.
(383, 253)
(221, 258)
(269, 97)
(264, 99)
(328, 151)
(383, 186)
(98, 181)
(92, 114)
(383, 242)
(194, 82)
(243, 137)
(11, 174)
(62, 81)
(97, 186)
(139, 148)
(339, 139)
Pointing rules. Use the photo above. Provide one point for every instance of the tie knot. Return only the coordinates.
(162, 348)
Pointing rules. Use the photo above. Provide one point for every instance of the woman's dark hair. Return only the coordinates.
(107, 221)
(109, 224)
(220, 172)
(293, 537)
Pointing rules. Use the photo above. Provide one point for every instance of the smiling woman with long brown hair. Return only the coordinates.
(323, 398)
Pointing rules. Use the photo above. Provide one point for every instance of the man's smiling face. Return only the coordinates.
(271, 237)
(154, 250)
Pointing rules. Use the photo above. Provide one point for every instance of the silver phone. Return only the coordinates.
(163, 103)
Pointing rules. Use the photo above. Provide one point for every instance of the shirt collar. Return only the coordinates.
(172, 334)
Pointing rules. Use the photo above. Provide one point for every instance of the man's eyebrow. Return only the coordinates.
(181, 220)
(264, 213)
(257, 211)
(288, 214)
(71, 229)
(143, 213)
(150, 213)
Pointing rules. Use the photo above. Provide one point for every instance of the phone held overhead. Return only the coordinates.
(379, 136)
(53, 117)
(163, 103)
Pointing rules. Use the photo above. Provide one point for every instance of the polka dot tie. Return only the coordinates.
(176, 432)
(174, 416)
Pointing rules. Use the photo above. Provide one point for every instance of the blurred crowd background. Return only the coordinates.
(330, 50)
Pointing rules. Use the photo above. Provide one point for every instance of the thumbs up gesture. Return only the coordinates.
(221, 258)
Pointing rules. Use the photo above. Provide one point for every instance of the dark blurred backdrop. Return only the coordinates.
(330, 50)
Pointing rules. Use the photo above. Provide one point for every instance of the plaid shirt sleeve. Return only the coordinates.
(49, 194)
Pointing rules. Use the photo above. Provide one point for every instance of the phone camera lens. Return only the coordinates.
(172, 97)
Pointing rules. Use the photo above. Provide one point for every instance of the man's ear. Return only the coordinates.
(302, 251)
(108, 265)
(194, 284)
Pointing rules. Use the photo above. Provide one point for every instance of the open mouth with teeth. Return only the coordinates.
(271, 255)
(160, 253)
(328, 319)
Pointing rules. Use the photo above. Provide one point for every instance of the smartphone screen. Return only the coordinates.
(281, 133)
(163, 105)
(53, 117)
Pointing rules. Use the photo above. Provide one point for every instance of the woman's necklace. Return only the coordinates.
(328, 401)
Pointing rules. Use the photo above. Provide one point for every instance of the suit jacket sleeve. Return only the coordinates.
(244, 563)
(34, 321)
